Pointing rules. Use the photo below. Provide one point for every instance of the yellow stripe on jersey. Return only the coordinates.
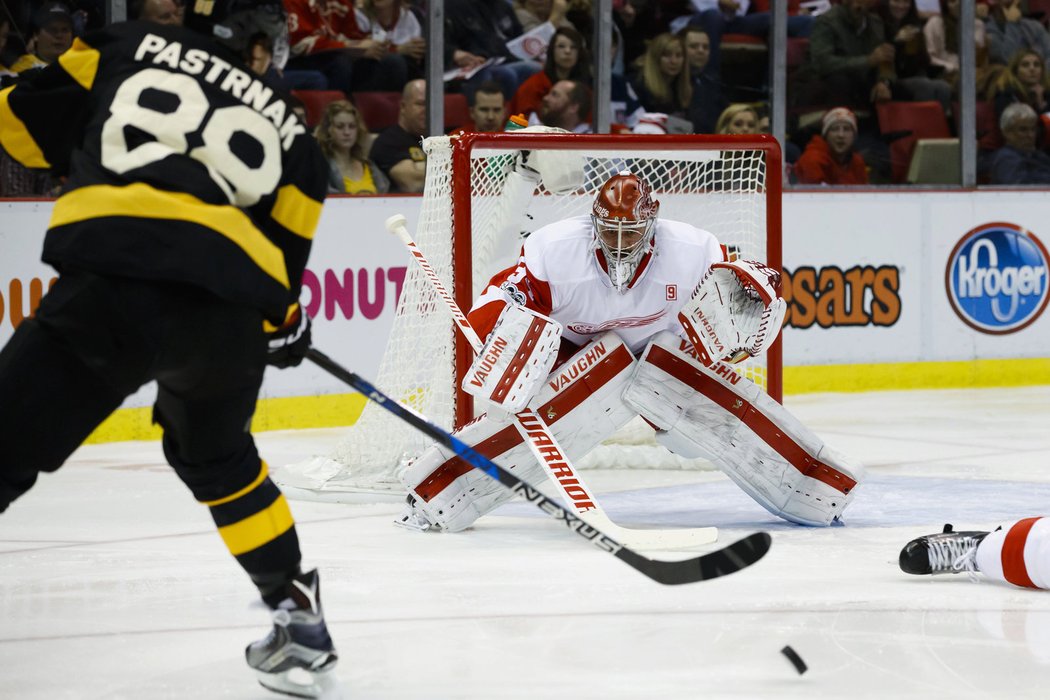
(144, 202)
(256, 530)
(263, 473)
(81, 62)
(296, 212)
(15, 137)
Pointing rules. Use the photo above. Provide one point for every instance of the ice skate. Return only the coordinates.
(297, 657)
(412, 518)
(946, 552)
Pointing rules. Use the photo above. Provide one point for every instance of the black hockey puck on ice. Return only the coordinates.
(795, 659)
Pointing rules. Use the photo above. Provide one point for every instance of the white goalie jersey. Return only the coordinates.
(559, 274)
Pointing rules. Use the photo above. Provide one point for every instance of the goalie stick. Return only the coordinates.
(538, 437)
(727, 560)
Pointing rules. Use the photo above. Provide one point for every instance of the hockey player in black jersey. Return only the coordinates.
(191, 197)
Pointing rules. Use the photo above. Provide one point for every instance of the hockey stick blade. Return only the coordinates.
(721, 562)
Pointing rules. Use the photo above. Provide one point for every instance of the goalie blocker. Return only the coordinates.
(718, 414)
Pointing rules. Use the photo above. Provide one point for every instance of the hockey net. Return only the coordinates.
(477, 207)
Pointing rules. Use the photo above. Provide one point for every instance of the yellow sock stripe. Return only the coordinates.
(257, 530)
(264, 471)
(15, 137)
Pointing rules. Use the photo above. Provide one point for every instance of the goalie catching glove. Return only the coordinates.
(519, 353)
(735, 313)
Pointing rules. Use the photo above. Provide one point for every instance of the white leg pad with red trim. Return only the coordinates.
(580, 402)
(716, 413)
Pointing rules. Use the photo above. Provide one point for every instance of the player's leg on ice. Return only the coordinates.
(580, 402)
(205, 408)
(55, 384)
(1017, 553)
(715, 413)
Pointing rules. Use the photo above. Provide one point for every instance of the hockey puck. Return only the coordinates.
(795, 659)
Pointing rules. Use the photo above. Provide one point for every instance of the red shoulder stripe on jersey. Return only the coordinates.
(1014, 569)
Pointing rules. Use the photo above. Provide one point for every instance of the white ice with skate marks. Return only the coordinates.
(113, 583)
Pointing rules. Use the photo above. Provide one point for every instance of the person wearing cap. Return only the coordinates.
(829, 159)
(52, 35)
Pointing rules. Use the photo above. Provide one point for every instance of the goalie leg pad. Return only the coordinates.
(580, 402)
(721, 415)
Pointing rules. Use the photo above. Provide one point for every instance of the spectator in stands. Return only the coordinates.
(156, 11)
(344, 140)
(718, 17)
(477, 31)
(1024, 80)
(708, 99)
(566, 106)
(390, 21)
(260, 53)
(325, 37)
(941, 33)
(397, 150)
(567, 59)
(533, 13)
(738, 118)
(626, 109)
(488, 109)
(856, 61)
(1019, 161)
(637, 22)
(51, 36)
(1009, 31)
(829, 158)
(662, 77)
(911, 63)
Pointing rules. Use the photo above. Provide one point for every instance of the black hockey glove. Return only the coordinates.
(289, 343)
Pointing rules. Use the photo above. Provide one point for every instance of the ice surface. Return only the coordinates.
(113, 583)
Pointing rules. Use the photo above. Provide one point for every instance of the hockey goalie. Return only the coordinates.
(617, 314)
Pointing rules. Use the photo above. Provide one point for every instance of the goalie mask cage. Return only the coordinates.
(478, 203)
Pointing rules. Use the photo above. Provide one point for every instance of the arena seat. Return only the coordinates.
(909, 122)
(380, 109)
(315, 101)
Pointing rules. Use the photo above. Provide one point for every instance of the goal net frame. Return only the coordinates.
(426, 357)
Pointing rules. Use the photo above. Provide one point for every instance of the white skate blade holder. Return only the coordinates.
(301, 683)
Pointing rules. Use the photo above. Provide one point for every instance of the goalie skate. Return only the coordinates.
(297, 658)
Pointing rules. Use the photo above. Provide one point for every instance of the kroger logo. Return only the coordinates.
(997, 278)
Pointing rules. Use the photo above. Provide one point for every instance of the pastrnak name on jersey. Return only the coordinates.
(212, 69)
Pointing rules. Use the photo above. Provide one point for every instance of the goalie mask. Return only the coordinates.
(624, 214)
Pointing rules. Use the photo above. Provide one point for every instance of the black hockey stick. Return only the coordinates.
(740, 554)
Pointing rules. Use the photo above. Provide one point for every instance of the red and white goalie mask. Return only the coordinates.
(624, 214)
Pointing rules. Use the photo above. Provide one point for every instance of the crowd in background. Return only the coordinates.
(678, 66)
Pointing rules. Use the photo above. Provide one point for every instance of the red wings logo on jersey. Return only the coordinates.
(582, 328)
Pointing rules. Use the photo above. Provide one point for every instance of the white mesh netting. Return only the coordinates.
(721, 190)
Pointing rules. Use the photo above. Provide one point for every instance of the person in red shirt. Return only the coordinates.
(324, 36)
(829, 159)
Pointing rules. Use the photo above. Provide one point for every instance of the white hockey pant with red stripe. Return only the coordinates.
(580, 402)
(1018, 553)
(716, 413)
